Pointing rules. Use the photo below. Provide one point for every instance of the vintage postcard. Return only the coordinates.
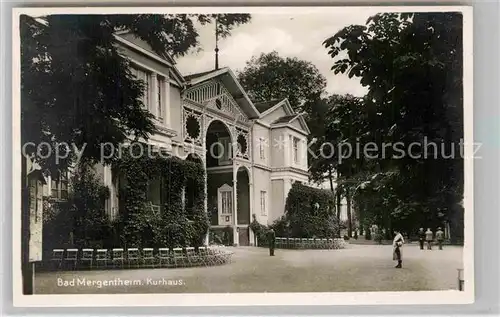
(242, 156)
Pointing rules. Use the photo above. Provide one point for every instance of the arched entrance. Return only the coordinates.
(220, 185)
(190, 191)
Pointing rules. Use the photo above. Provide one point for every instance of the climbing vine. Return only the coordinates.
(177, 224)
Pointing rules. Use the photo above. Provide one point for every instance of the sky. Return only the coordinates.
(294, 35)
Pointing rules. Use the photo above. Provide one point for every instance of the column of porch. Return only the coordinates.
(236, 238)
(205, 203)
(250, 207)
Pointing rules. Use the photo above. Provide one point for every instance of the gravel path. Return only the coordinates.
(357, 268)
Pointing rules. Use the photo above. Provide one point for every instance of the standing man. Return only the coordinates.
(440, 238)
(272, 241)
(397, 247)
(421, 238)
(429, 238)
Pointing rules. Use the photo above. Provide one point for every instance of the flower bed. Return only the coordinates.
(304, 243)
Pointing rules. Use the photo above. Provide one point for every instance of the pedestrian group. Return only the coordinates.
(424, 237)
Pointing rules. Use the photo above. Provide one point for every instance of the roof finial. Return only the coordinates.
(216, 44)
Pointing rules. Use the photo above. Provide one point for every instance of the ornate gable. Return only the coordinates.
(215, 96)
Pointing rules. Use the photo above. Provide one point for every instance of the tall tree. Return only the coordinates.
(412, 65)
(270, 76)
(335, 122)
(77, 88)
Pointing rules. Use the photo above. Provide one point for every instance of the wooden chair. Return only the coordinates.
(133, 257)
(87, 257)
(102, 258)
(324, 243)
(179, 257)
(310, 243)
(297, 243)
(164, 257)
(118, 257)
(57, 258)
(71, 258)
(148, 257)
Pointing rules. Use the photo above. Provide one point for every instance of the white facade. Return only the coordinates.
(266, 141)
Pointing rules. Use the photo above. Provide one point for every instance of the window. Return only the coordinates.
(296, 150)
(154, 192)
(227, 202)
(59, 185)
(159, 106)
(146, 80)
(262, 150)
(263, 202)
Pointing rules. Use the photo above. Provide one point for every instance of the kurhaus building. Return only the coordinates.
(252, 151)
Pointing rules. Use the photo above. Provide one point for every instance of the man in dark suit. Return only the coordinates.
(421, 238)
(271, 238)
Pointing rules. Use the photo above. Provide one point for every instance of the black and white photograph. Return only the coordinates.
(279, 155)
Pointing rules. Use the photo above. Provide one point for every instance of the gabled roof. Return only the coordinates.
(290, 116)
(285, 119)
(197, 75)
(266, 105)
(130, 37)
(132, 42)
(229, 80)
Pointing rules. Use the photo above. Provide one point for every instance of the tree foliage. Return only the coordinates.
(82, 215)
(76, 86)
(412, 66)
(270, 76)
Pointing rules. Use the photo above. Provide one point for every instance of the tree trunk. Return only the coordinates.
(339, 205)
(330, 178)
(349, 212)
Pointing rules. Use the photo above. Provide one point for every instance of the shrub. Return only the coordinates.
(260, 231)
(346, 237)
(339, 244)
(281, 227)
(310, 212)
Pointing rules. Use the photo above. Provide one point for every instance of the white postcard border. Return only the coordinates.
(246, 299)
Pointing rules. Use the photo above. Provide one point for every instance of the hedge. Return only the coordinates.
(310, 213)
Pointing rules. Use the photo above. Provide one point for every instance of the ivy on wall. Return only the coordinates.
(178, 224)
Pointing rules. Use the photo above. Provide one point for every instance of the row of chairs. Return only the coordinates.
(304, 243)
(138, 258)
